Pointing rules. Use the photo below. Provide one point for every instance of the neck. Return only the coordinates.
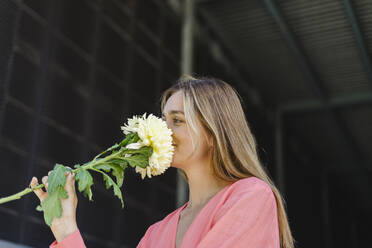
(203, 185)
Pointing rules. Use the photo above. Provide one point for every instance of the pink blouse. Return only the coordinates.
(243, 214)
(73, 240)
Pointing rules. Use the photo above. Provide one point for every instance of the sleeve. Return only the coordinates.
(73, 240)
(248, 219)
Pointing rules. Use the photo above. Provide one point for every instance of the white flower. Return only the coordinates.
(153, 132)
(131, 126)
(133, 146)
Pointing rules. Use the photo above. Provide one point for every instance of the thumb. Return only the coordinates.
(41, 194)
(70, 182)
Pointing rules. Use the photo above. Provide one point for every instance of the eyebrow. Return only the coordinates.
(174, 112)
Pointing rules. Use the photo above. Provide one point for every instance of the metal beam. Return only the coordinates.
(315, 82)
(186, 68)
(80, 52)
(188, 37)
(219, 32)
(280, 175)
(239, 75)
(296, 49)
(88, 113)
(334, 102)
(47, 53)
(359, 38)
(9, 25)
(326, 216)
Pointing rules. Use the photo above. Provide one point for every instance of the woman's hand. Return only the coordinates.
(61, 227)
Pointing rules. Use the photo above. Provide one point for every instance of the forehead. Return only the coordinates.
(174, 103)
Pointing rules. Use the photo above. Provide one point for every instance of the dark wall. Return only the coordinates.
(72, 72)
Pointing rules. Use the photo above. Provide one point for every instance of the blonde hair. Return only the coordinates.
(217, 106)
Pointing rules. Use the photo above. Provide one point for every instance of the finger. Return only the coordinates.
(39, 192)
(71, 182)
(33, 182)
(68, 173)
(72, 178)
(45, 182)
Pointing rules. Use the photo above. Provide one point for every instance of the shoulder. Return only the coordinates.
(248, 196)
(250, 184)
(248, 189)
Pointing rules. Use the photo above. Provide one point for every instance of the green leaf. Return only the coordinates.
(140, 157)
(77, 166)
(129, 138)
(52, 206)
(68, 169)
(57, 178)
(88, 193)
(117, 171)
(85, 181)
(105, 167)
(109, 183)
(138, 160)
(144, 150)
(121, 162)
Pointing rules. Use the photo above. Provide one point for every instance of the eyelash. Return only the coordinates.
(174, 120)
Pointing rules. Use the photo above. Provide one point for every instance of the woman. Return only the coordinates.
(232, 201)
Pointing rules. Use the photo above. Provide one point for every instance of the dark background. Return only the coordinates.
(73, 71)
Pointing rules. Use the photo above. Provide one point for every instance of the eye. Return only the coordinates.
(175, 120)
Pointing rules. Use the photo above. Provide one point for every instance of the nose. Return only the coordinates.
(173, 141)
(169, 124)
(171, 128)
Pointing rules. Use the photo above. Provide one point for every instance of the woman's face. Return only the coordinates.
(173, 114)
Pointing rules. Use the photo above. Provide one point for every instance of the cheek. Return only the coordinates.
(183, 146)
(179, 135)
(184, 141)
(186, 148)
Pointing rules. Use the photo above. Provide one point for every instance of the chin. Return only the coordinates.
(174, 165)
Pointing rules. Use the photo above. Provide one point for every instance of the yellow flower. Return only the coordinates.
(153, 132)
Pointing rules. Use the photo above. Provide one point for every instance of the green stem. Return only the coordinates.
(20, 194)
(93, 163)
(88, 166)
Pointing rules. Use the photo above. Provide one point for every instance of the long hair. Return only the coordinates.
(217, 106)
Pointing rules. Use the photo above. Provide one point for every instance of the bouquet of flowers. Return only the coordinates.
(147, 147)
